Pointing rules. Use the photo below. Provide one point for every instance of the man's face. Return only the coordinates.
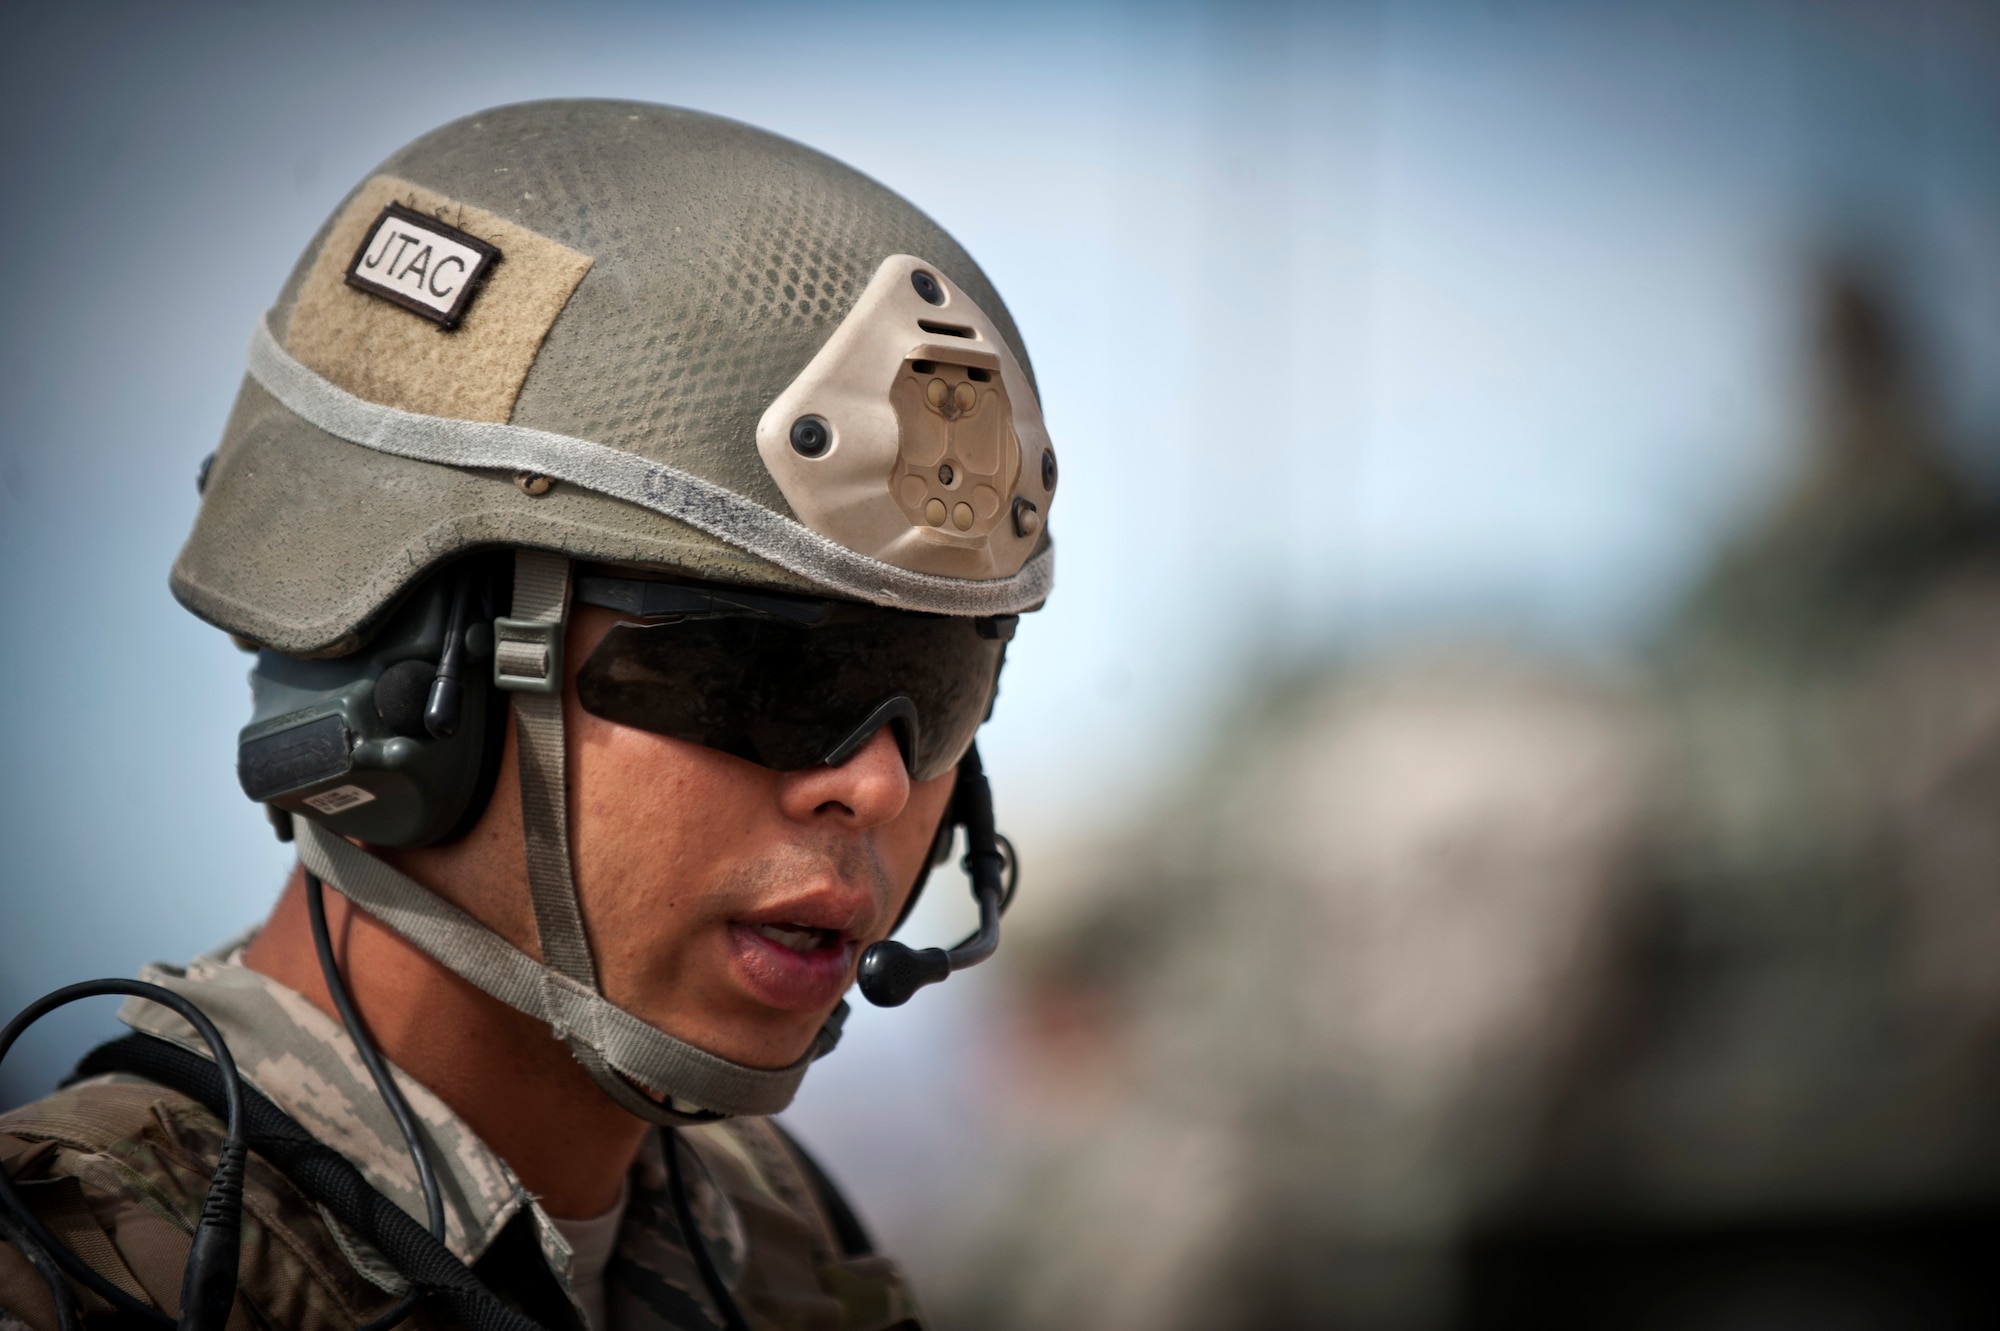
(729, 904)
(726, 903)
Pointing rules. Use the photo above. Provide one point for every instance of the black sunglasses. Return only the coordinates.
(790, 682)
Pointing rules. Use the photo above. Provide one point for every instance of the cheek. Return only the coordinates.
(913, 833)
(643, 801)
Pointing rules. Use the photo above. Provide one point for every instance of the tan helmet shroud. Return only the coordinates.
(669, 284)
(935, 462)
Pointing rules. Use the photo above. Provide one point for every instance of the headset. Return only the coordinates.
(398, 744)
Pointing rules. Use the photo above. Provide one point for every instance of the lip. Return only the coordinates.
(802, 981)
(787, 980)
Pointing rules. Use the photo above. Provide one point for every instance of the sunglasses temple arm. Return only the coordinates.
(892, 972)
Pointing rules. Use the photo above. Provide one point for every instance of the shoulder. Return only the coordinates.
(117, 1167)
(802, 1240)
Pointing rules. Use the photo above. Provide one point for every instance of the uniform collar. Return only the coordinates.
(304, 1062)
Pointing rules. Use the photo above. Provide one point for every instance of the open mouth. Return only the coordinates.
(798, 937)
(794, 966)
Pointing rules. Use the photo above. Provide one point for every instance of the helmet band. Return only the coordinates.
(655, 486)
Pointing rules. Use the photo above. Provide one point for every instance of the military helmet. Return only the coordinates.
(633, 334)
(591, 334)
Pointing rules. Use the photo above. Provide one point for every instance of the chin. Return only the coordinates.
(770, 1044)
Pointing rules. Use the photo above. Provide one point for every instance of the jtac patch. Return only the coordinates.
(421, 264)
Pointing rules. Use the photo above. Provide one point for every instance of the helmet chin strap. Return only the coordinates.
(625, 1055)
(696, 1086)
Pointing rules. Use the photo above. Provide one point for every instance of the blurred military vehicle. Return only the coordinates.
(1475, 988)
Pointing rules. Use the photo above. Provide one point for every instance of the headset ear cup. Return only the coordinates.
(489, 588)
(347, 741)
(498, 707)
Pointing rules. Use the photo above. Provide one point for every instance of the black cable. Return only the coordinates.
(392, 1095)
(891, 972)
(38, 1257)
(446, 704)
(208, 1286)
(324, 1175)
(725, 1302)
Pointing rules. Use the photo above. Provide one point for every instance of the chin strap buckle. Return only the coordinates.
(527, 655)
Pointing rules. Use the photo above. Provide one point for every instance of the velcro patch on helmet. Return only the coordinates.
(383, 313)
(421, 264)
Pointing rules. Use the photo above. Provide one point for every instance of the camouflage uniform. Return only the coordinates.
(117, 1167)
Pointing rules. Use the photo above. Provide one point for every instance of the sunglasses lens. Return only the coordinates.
(790, 696)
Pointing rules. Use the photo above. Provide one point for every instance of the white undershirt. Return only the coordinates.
(591, 1243)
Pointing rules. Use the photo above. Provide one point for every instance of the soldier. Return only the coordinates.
(719, 469)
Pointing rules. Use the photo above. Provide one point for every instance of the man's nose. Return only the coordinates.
(869, 789)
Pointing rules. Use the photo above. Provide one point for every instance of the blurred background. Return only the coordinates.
(1508, 778)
